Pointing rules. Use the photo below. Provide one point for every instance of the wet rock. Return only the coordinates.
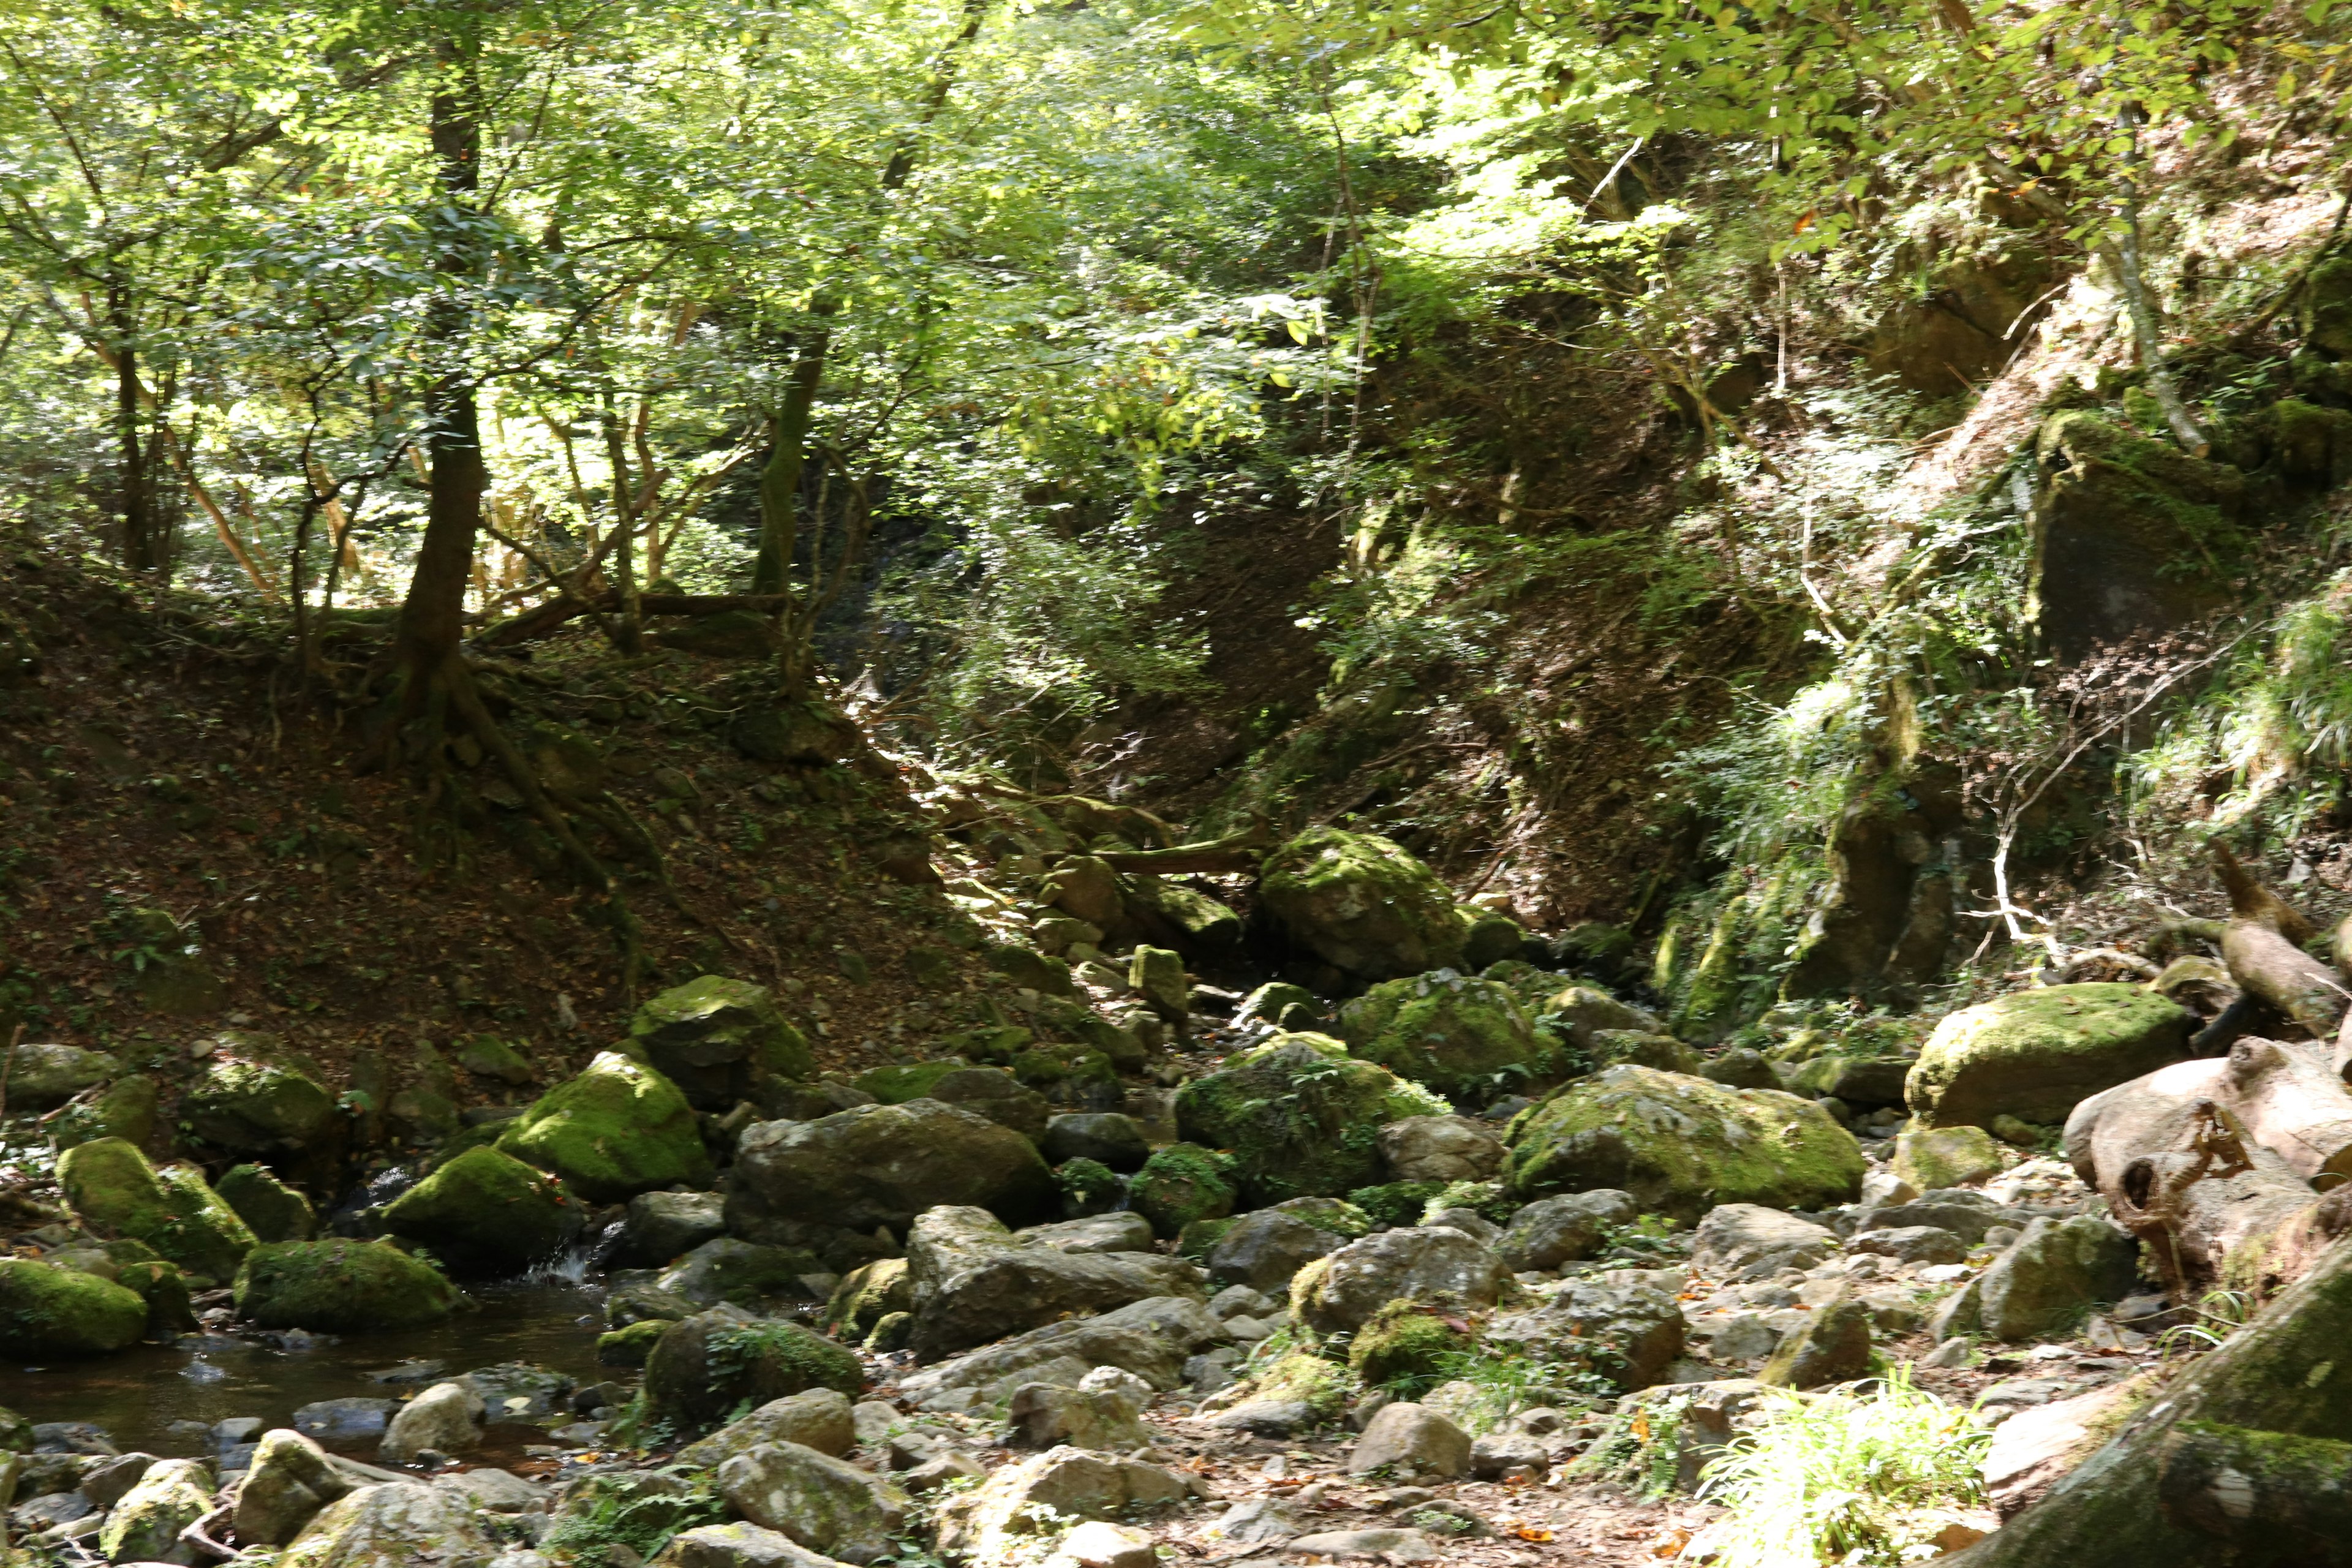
(660, 1227)
(817, 1501)
(114, 1190)
(2036, 1054)
(1832, 1346)
(398, 1525)
(446, 1417)
(1362, 904)
(975, 1281)
(1421, 1264)
(1293, 1111)
(1441, 1149)
(1106, 1137)
(706, 1365)
(743, 1272)
(487, 1213)
(257, 1106)
(49, 1311)
(270, 1208)
(339, 1287)
(289, 1481)
(1630, 1334)
(1681, 1145)
(816, 1419)
(1005, 1510)
(1744, 1241)
(1411, 1442)
(616, 1130)
(717, 1038)
(884, 1165)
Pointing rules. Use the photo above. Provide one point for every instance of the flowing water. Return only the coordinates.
(550, 1320)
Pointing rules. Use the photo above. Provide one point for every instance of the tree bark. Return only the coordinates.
(142, 549)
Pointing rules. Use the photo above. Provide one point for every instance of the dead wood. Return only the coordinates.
(2251, 901)
(2268, 966)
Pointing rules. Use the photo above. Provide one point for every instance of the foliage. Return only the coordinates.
(1839, 1477)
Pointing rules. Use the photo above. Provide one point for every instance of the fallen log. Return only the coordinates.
(547, 619)
(2255, 904)
(2300, 988)
(2160, 1494)
(1240, 853)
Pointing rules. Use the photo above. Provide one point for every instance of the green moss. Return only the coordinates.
(630, 1346)
(1300, 1117)
(1639, 1047)
(1046, 1066)
(715, 1019)
(15, 1433)
(617, 1129)
(1404, 1348)
(868, 1295)
(47, 1311)
(270, 1209)
(911, 1080)
(1318, 1384)
(484, 1212)
(1362, 904)
(257, 1106)
(1462, 1037)
(1682, 1145)
(1041, 972)
(1087, 1187)
(1336, 1215)
(1396, 1202)
(1181, 1184)
(640, 1511)
(114, 1190)
(165, 1290)
(2036, 1054)
(341, 1287)
(126, 1109)
(1200, 1238)
(1488, 1200)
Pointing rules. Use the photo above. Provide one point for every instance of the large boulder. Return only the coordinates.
(486, 1213)
(2049, 1280)
(1681, 1145)
(341, 1286)
(1006, 1515)
(995, 1094)
(2035, 1055)
(445, 1418)
(1152, 1338)
(1747, 1241)
(1460, 1036)
(1180, 1184)
(882, 1165)
(1294, 1113)
(1425, 1264)
(1579, 1013)
(257, 1106)
(1265, 1250)
(1833, 1345)
(1360, 904)
(144, 1524)
(660, 1226)
(975, 1281)
(48, 1310)
(289, 1481)
(816, 1418)
(617, 1129)
(397, 1525)
(1442, 1149)
(716, 1039)
(114, 1190)
(743, 1272)
(824, 1503)
(1549, 1232)
(1629, 1334)
(270, 1209)
(707, 1365)
(44, 1077)
(125, 1108)
(1412, 1442)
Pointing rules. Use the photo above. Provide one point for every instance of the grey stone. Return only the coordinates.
(105, 1482)
(1256, 1521)
(1004, 1514)
(1043, 1415)
(1550, 1232)
(1440, 1149)
(660, 1226)
(738, 1545)
(344, 1422)
(1152, 1338)
(396, 1525)
(817, 1418)
(1240, 1301)
(445, 1417)
(289, 1481)
(1265, 1417)
(1470, 1223)
(1265, 1249)
(1833, 1346)
(821, 1503)
(1000, 1096)
(882, 1165)
(1104, 1136)
(1499, 1456)
(1747, 1241)
(1911, 1243)
(1422, 1263)
(2053, 1276)
(1389, 1543)
(1411, 1442)
(1123, 1230)
(145, 1525)
(975, 1281)
(1099, 1543)
(1631, 1334)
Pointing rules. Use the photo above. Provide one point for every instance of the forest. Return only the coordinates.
(1075, 783)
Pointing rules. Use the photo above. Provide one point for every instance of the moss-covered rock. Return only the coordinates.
(1405, 1348)
(16, 1435)
(170, 1308)
(341, 1287)
(1041, 972)
(1199, 1238)
(44, 1077)
(632, 1344)
(1309, 1380)
(703, 1367)
(270, 1209)
(1463, 1037)
(1088, 1188)
(1282, 1004)
(48, 1310)
(2035, 1055)
(901, 1082)
(1179, 1185)
(1489, 938)
(1362, 904)
(867, 1295)
(617, 1129)
(114, 1190)
(1936, 1157)
(1191, 922)
(1396, 1202)
(492, 1058)
(257, 1106)
(124, 1110)
(486, 1212)
(882, 1165)
(145, 1525)
(1300, 1116)
(716, 1038)
(1639, 1047)
(1072, 1067)
(1682, 1145)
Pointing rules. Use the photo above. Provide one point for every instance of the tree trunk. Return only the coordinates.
(141, 550)
(432, 618)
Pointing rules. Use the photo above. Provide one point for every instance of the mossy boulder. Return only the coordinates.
(1681, 1145)
(113, 1190)
(1396, 1202)
(489, 1057)
(703, 1367)
(1362, 904)
(44, 1077)
(341, 1287)
(882, 1165)
(270, 1209)
(1025, 966)
(632, 1344)
(617, 1129)
(1309, 1380)
(1191, 922)
(1639, 1048)
(1300, 1117)
(716, 1038)
(2035, 1055)
(124, 1110)
(867, 1295)
(170, 1308)
(1489, 938)
(486, 1212)
(903, 1081)
(1461, 1037)
(1935, 1157)
(1179, 1185)
(256, 1108)
(1282, 1004)
(48, 1311)
(1405, 1347)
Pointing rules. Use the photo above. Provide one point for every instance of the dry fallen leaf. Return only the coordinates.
(1670, 1541)
(1532, 1532)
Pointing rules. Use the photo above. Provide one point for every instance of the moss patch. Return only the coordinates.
(48, 1311)
(341, 1287)
(1362, 904)
(1405, 1348)
(1300, 1116)
(1463, 1037)
(1180, 1184)
(1319, 1385)
(617, 1129)
(113, 1190)
(486, 1213)
(897, 1085)
(2035, 1055)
